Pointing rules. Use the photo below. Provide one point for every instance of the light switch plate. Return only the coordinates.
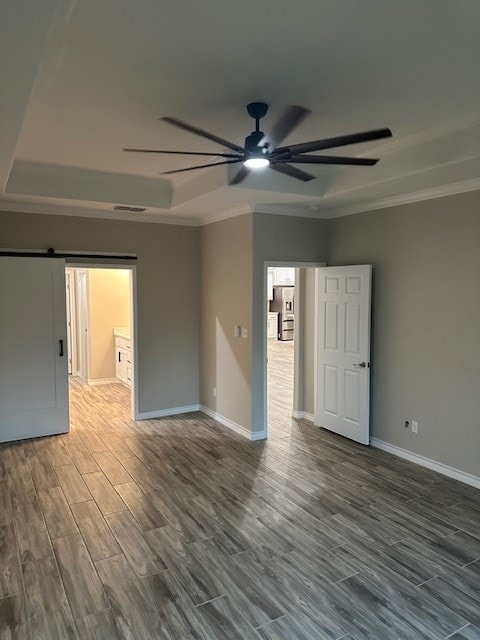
(414, 426)
(237, 331)
(244, 332)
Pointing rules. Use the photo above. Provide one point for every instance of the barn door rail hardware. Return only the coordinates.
(52, 253)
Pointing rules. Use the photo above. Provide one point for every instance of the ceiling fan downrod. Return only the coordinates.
(257, 111)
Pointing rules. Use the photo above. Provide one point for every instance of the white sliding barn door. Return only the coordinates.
(33, 348)
(342, 384)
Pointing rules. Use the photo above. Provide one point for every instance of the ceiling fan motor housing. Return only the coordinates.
(252, 142)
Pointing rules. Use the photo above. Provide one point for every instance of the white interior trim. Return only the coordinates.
(303, 415)
(440, 467)
(134, 404)
(164, 413)
(91, 212)
(462, 186)
(298, 339)
(95, 382)
(451, 189)
(83, 322)
(233, 426)
(316, 329)
(72, 319)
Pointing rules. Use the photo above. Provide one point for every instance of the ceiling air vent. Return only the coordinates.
(123, 207)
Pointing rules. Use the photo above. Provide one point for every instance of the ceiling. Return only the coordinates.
(86, 78)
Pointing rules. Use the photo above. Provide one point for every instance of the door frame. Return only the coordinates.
(72, 318)
(297, 264)
(82, 321)
(86, 264)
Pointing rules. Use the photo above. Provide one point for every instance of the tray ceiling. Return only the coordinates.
(88, 78)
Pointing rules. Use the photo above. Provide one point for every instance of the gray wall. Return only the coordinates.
(167, 292)
(426, 322)
(277, 239)
(426, 337)
(226, 281)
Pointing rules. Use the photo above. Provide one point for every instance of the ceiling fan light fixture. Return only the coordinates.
(259, 148)
(256, 163)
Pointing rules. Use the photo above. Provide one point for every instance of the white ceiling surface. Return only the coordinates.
(81, 79)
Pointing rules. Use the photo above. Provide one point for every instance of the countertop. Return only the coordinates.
(122, 332)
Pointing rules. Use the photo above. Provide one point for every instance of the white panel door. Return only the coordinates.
(342, 382)
(33, 348)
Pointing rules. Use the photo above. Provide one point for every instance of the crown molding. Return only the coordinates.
(395, 144)
(223, 215)
(427, 194)
(102, 214)
(275, 209)
(296, 211)
(455, 188)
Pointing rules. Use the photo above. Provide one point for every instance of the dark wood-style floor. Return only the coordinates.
(178, 528)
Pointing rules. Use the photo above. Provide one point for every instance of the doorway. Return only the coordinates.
(331, 352)
(289, 345)
(100, 332)
(281, 319)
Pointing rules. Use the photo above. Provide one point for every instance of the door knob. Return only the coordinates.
(361, 365)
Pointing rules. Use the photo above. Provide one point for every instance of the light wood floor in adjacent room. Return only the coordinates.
(280, 387)
(178, 529)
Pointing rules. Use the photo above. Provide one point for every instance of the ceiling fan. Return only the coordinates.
(262, 150)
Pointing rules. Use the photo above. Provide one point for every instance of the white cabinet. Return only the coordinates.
(284, 276)
(269, 285)
(123, 360)
(272, 324)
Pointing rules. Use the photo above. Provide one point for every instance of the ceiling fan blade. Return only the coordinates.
(288, 121)
(183, 153)
(291, 171)
(240, 176)
(332, 160)
(203, 134)
(200, 166)
(339, 141)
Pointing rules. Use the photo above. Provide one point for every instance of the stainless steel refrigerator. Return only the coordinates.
(284, 304)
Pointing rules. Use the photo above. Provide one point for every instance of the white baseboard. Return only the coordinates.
(99, 381)
(303, 415)
(242, 431)
(444, 469)
(164, 413)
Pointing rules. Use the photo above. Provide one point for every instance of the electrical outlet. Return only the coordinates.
(244, 332)
(237, 331)
(414, 426)
(214, 392)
